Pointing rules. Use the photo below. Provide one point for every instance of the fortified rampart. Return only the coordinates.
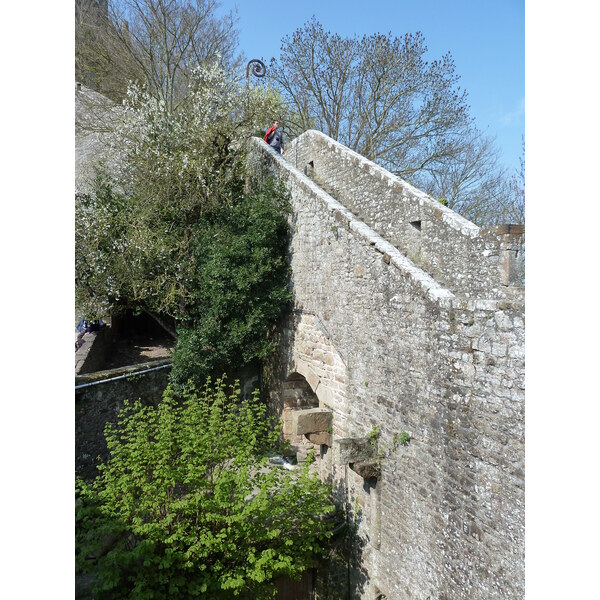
(394, 334)
(465, 258)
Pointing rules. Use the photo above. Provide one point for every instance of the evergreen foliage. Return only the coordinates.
(239, 288)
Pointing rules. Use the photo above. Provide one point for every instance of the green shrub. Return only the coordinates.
(239, 288)
(192, 505)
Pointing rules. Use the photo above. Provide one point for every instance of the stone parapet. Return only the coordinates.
(454, 251)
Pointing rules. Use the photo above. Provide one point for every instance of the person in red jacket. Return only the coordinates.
(274, 138)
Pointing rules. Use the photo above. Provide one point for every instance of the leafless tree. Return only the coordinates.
(377, 95)
(154, 42)
(516, 211)
(380, 97)
(472, 181)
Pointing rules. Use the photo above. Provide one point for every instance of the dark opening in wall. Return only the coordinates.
(369, 483)
(416, 225)
(136, 338)
(131, 325)
(309, 169)
(297, 393)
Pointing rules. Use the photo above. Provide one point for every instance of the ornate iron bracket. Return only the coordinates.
(256, 67)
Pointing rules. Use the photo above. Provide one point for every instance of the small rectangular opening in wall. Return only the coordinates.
(309, 168)
(416, 225)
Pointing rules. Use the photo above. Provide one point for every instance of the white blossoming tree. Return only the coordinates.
(173, 229)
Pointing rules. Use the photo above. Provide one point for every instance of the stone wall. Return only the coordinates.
(389, 349)
(456, 252)
(90, 356)
(100, 396)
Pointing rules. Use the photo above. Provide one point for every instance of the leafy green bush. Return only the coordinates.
(188, 504)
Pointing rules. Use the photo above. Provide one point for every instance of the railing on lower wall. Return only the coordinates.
(101, 377)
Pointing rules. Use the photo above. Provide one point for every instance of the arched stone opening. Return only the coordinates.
(297, 395)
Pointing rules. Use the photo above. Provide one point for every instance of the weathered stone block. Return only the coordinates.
(367, 469)
(319, 438)
(287, 426)
(311, 420)
(353, 450)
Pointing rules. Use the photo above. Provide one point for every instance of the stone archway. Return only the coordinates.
(306, 384)
(319, 362)
(297, 395)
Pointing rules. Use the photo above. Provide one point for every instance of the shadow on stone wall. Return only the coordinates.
(98, 399)
(340, 575)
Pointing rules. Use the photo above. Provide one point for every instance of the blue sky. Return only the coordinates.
(485, 37)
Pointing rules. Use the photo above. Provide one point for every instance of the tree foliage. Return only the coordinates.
(239, 289)
(175, 229)
(379, 96)
(474, 183)
(516, 209)
(471, 181)
(192, 505)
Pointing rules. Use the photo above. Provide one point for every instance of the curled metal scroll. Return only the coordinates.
(258, 68)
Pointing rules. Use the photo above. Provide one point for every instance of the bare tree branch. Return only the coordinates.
(154, 42)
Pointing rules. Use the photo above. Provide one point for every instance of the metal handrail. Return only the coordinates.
(124, 376)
